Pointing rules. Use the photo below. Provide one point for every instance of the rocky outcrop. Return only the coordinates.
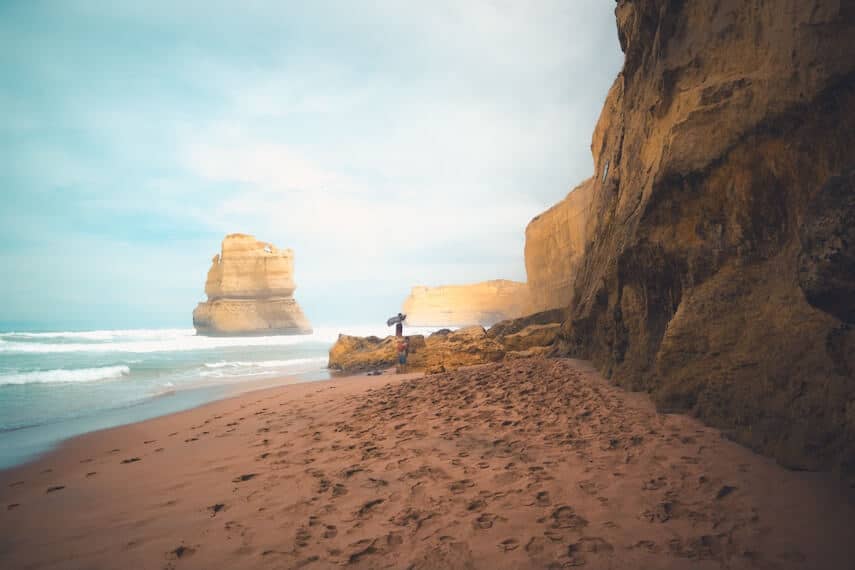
(719, 271)
(360, 354)
(512, 326)
(444, 350)
(462, 305)
(464, 347)
(554, 243)
(250, 288)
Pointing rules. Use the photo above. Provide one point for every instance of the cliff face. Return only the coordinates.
(554, 243)
(460, 305)
(250, 289)
(719, 270)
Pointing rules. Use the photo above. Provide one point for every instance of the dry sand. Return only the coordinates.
(532, 464)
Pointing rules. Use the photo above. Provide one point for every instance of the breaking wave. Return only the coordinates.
(64, 376)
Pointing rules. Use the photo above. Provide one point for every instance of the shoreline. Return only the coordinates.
(532, 463)
(198, 396)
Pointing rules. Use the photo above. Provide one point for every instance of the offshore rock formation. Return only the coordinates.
(461, 305)
(250, 290)
(554, 244)
(719, 271)
(444, 350)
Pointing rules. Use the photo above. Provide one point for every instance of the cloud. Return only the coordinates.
(401, 143)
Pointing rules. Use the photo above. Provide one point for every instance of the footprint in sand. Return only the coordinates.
(182, 552)
(373, 483)
(13, 506)
(485, 521)
(302, 537)
(566, 517)
(476, 505)
(364, 548)
(542, 499)
(91, 474)
(661, 513)
(245, 477)
(460, 486)
(509, 544)
(55, 489)
(535, 546)
(131, 460)
(216, 508)
(367, 507)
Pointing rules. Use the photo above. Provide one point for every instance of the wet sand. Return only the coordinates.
(529, 464)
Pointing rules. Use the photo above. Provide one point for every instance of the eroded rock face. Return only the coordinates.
(445, 350)
(554, 243)
(827, 257)
(718, 275)
(463, 347)
(463, 305)
(250, 289)
(360, 354)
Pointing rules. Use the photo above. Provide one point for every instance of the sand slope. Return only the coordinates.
(529, 464)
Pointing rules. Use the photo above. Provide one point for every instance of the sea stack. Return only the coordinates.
(250, 289)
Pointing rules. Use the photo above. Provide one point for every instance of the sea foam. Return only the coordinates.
(63, 376)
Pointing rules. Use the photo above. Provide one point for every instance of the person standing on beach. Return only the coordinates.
(399, 326)
(403, 350)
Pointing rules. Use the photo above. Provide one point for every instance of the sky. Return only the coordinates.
(388, 143)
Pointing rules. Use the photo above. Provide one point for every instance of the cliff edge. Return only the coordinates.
(483, 304)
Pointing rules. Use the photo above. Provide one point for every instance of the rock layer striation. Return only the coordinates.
(717, 270)
(554, 244)
(483, 304)
(250, 288)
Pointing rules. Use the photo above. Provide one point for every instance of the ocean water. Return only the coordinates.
(55, 385)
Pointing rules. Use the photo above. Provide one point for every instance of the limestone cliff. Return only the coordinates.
(250, 288)
(554, 243)
(719, 270)
(461, 305)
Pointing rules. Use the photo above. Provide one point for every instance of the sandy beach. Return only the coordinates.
(530, 464)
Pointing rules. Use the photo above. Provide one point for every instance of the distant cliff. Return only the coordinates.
(459, 305)
(250, 288)
(554, 243)
(717, 269)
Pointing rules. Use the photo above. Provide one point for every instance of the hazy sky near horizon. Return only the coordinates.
(389, 143)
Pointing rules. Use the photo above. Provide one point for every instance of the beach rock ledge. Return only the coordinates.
(250, 289)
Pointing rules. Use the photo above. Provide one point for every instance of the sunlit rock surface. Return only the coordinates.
(445, 350)
(250, 288)
(554, 243)
(462, 305)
